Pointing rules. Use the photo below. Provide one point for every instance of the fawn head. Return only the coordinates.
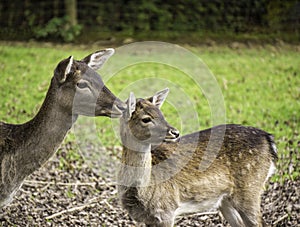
(143, 122)
(81, 90)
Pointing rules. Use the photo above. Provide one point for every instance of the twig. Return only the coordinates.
(46, 186)
(91, 202)
(280, 219)
(92, 184)
(110, 206)
(32, 182)
(69, 210)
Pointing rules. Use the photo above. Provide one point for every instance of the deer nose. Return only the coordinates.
(122, 106)
(174, 132)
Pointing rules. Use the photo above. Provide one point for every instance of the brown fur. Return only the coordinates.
(223, 167)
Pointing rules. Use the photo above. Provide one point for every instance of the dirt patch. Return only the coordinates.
(78, 196)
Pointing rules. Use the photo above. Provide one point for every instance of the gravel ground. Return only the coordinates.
(67, 192)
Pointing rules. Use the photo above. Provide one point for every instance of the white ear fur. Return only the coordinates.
(98, 58)
(159, 97)
(68, 69)
(131, 102)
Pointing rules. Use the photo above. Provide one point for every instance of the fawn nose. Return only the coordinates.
(174, 132)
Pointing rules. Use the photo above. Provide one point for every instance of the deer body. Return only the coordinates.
(231, 182)
(26, 148)
(75, 89)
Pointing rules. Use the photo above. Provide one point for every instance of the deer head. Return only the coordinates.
(81, 90)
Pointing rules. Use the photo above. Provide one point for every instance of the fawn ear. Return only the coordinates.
(97, 59)
(159, 97)
(131, 102)
(63, 69)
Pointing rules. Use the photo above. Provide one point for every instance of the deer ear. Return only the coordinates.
(63, 69)
(131, 103)
(97, 59)
(159, 97)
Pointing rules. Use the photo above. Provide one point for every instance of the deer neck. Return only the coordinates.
(136, 165)
(45, 132)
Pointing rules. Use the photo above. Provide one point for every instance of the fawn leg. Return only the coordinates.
(250, 213)
(251, 219)
(248, 206)
(164, 223)
(231, 214)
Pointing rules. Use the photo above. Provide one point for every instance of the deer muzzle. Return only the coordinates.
(172, 135)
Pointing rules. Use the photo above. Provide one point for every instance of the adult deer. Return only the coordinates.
(75, 89)
(232, 181)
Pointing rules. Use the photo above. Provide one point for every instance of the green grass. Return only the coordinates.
(260, 87)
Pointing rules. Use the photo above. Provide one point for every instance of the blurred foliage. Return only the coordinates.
(142, 16)
(59, 29)
(284, 15)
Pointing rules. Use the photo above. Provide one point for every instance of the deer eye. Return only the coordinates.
(146, 120)
(82, 85)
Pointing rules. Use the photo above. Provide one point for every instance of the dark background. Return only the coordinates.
(177, 20)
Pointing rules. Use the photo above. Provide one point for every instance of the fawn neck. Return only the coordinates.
(136, 165)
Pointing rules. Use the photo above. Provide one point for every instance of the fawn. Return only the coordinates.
(162, 176)
(75, 89)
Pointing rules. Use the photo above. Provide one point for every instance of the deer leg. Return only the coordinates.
(231, 214)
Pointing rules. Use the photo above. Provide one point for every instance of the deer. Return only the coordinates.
(75, 89)
(163, 175)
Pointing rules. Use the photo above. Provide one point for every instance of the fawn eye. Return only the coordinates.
(146, 120)
(82, 85)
